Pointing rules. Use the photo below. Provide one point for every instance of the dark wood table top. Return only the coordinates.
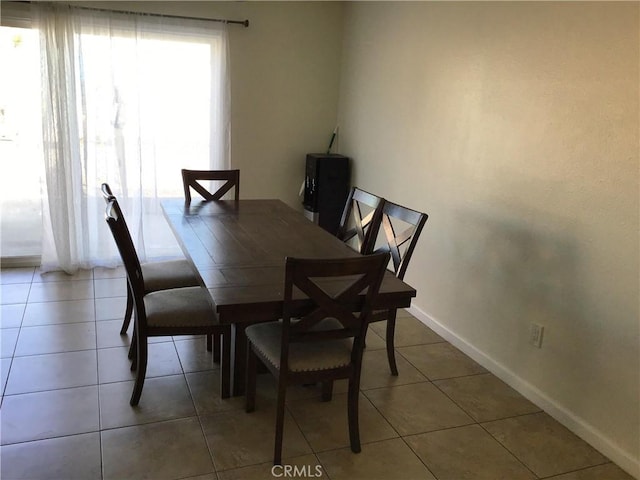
(239, 249)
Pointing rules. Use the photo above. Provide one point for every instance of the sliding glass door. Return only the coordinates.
(147, 101)
(21, 164)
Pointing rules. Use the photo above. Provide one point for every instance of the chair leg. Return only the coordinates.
(354, 429)
(391, 352)
(327, 390)
(132, 347)
(210, 343)
(141, 356)
(250, 384)
(282, 393)
(128, 311)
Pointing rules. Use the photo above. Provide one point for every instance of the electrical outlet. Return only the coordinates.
(535, 337)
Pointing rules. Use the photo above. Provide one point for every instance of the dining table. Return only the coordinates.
(238, 250)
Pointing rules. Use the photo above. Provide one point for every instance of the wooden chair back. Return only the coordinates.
(124, 242)
(400, 245)
(315, 278)
(361, 219)
(190, 180)
(107, 194)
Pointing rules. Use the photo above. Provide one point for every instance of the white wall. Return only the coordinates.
(285, 72)
(515, 126)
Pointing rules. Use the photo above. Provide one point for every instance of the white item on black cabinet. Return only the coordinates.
(326, 188)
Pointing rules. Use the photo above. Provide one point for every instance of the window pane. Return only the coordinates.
(20, 144)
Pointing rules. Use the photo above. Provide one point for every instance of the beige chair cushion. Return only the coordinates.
(305, 356)
(168, 274)
(179, 307)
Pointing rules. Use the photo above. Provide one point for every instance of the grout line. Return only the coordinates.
(287, 406)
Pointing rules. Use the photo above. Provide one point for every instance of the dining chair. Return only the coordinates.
(400, 246)
(162, 275)
(360, 219)
(326, 341)
(190, 180)
(176, 311)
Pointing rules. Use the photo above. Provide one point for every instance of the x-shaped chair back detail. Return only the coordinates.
(364, 273)
(190, 179)
(366, 222)
(400, 245)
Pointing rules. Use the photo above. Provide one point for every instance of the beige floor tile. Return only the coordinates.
(115, 366)
(110, 287)
(208, 476)
(608, 471)
(467, 453)
(238, 439)
(58, 291)
(66, 337)
(194, 356)
(389, 459)
(403, 312)
(16, 275)
(440, 360)
(60, 276)
(485, 397)
(163, 359)
(72, 457)
(325, 424)
(11, 315)
(52, 409)
(111, 308)
(376, 374)
(544, 445)
(409, 331)
(417, 408)
(37, 373)
(104, 272)
(306, 466)
(374, 341)
(5, 365)
(14, 293)
(68, 311)
(55, 413)
(164, 450)
(108, 334)
(205, 391)
(163, 398)
(8, 340)
(267, 387)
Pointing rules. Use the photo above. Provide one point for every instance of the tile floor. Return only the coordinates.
(65, 410)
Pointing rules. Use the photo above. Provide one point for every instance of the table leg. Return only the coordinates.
(239, 358)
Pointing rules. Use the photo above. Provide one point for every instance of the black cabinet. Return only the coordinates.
(326, 187)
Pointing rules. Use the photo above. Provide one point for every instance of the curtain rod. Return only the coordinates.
(95, 9)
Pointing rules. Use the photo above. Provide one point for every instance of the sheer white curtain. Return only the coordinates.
(128, 99)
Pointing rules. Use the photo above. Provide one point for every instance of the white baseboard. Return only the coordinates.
(574, 423)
